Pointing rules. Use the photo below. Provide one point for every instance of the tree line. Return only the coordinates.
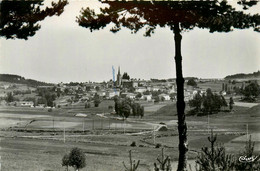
(243, 76)
(21, 80)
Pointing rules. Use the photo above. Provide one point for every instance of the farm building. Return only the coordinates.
(25, 104)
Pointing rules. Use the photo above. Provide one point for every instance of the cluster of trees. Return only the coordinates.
(47, 97)
(96, 100)
(9, 97)
(208, 103)
(125, 107)
(251, 91)
(126, 76)
(192, 82)
(76, 159)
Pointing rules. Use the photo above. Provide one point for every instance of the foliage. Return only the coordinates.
(77, 158)
(173, 96)
(158, 145)
(133, 144)
(126, 76)
(252, 90)
(131, 89)
(133, 165)
(164, 162)
(9, 98)
(47, 96)
(215, 158)
(156, 99)
(21, 80)
(141, 112)
(87, 105)
(17, 92)
(243, 76)
(97, 100)
(19, 19)
(192, 82)
(207, 103)
(162, 99)
(138, 96)
(66, 161)
(146, 92)
(135, 107)
(214, 15)
(196, 102)
(50, 97)
(124, 107)
(97, 88)
(231, 103)
(156, 93)
(248, 152)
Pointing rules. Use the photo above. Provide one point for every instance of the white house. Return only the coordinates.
(165, 96)
(135, 84)
(147, 97)
(25, 104)
(111, 94)
(140, 89)
(128, 95)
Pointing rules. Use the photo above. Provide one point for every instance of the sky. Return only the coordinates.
(62, 51)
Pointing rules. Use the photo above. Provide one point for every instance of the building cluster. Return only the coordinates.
(131, 88)
(136, 89)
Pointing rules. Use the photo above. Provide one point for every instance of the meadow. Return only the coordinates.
(36, 139)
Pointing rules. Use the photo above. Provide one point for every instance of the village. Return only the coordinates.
(153, 90)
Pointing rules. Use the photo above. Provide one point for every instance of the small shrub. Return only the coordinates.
(49, 110)
(133, 165)
(164, 163)
(77, 158)
(158, 145)
(133, 144)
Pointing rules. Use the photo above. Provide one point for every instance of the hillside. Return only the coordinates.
(254, 75)
(21, 80)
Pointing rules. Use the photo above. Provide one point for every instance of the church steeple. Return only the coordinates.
(119, 78)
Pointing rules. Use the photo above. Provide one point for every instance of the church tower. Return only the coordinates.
(119, 78)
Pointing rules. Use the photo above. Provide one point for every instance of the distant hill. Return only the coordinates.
(21, 80)
(254, 75)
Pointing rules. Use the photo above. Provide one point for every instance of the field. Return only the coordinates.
(35, 139)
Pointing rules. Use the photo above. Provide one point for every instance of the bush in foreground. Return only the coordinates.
(76, 158)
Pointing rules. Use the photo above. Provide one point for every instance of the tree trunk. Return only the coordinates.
(182, 127)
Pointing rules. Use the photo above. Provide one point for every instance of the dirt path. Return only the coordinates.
(244, 104)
